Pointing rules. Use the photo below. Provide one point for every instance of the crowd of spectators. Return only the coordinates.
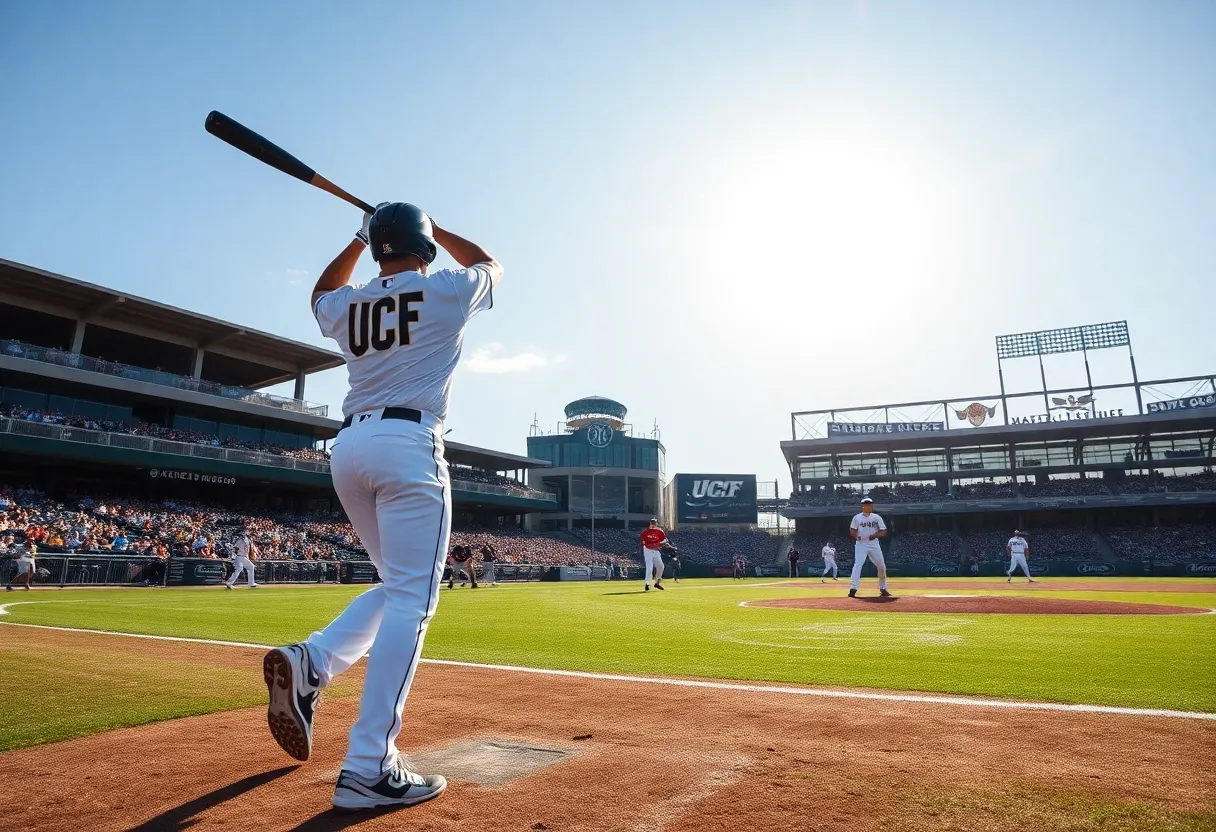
(1064, 487)
(1164, 543)
(180, 529)
(1044, 543)
(467, 474)
(925, 547)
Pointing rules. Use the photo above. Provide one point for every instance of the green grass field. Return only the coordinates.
(697, 628)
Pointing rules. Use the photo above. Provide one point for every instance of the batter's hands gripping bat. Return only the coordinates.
(244, 139)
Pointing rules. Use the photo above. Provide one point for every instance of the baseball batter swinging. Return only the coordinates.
(866, 528)
(401, 335)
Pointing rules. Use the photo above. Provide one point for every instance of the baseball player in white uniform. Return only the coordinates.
(25, 565)
(243, 553)
(829, 563)
(866, 528)
(401, 335)
(1016, 549)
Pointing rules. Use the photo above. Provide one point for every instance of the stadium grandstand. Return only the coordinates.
(1119, 488)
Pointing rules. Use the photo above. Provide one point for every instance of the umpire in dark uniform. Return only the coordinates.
(794, 555)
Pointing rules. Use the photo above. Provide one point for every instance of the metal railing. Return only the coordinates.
(65, 433)
(50, 355)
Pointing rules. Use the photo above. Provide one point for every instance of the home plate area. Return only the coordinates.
(972, 604)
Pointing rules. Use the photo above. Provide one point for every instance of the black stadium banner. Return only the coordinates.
(190, 476)
(943, 569)
(1206, 400)
(196, 572)
(1094, 568)
(359, 572)
(851, 428)
(716, 498)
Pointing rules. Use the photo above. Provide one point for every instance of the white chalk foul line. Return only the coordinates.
(922, 699)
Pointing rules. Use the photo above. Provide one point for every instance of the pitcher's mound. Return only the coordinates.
(967, 604)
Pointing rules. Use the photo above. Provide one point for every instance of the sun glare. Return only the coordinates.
(837, 213)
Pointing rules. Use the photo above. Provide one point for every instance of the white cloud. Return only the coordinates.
(489, 359)
(294, 277)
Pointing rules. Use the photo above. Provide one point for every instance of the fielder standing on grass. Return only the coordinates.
(866, 528)
(1016, 549)
(829, 563)
(653, 539)
(401, 335)
(244, 552)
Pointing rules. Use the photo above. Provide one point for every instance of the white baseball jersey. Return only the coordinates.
(867, 527)
(1017, 545)
(402, 335)
(829, 553)
(240, 546)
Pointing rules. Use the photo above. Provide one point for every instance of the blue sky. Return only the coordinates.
(716, 213)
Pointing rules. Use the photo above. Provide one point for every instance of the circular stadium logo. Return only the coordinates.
(599, 435)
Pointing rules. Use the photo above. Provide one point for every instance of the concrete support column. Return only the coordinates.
(198, 363)
(78, 337)
(299, 392)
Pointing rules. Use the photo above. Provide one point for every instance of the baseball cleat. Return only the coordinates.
(852, 593)
(648, 587)
(1009, 580)
(884, 593)
(295, 688)
(1031, 581)
(398, 786)
(227, 586)
(659, 586)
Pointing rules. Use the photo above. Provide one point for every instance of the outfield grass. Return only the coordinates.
(698, 629)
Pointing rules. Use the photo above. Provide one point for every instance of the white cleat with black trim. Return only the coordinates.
(398, 786)
(295, 689)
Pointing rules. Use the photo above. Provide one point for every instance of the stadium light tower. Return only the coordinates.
(1080, 339)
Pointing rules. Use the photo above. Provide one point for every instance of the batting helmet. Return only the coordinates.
(400, 228)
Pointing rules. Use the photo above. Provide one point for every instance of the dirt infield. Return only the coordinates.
(968, 604)
(631, 756)
(1040, 585)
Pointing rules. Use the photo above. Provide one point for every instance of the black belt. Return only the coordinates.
(406, 414)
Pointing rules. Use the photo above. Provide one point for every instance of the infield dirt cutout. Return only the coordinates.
(972, 604)
(627, 756)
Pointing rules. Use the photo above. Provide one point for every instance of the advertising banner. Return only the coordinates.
(716, 498)
(359, 572)
(1206, 400)
(190, 476)
(195, 572)
(864, 428)
(943, 569)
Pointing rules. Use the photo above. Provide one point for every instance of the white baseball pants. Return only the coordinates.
(239, 563)
(1017, 559)
(653, 558)
(873, 550)
(24, 564)
(393, 482)
(829, 565)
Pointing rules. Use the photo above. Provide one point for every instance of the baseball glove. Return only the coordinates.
(667, 547)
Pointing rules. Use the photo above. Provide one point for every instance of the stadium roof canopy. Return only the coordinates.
(475, 457)
(26, 286)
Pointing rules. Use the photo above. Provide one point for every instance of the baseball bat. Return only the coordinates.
(243, 139)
